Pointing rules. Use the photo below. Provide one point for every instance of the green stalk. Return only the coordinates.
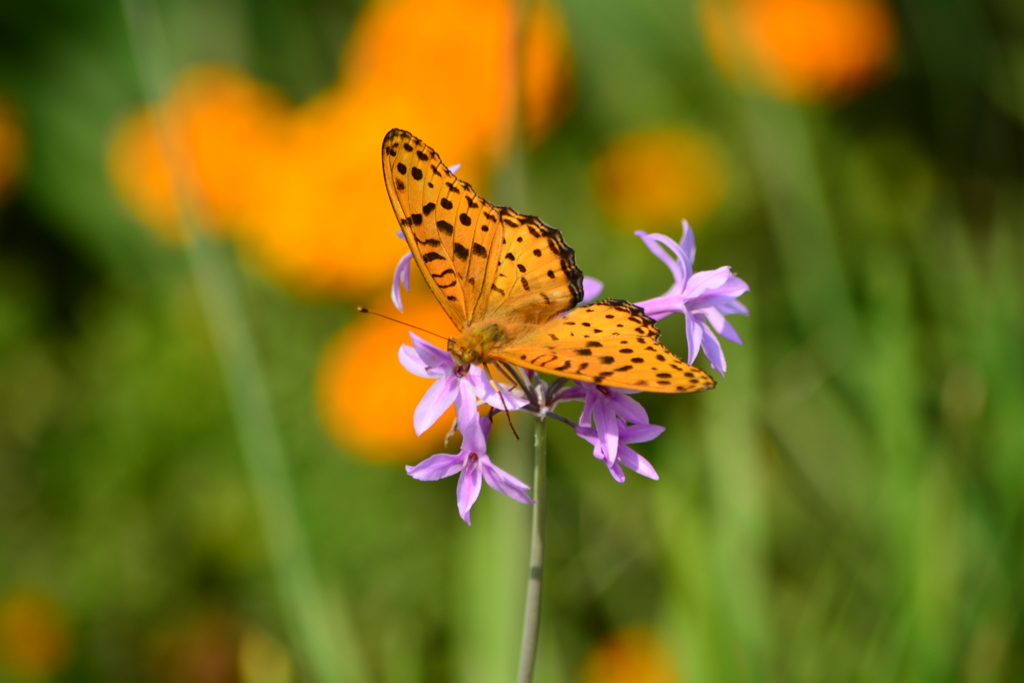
(531, 619)
(317, 632)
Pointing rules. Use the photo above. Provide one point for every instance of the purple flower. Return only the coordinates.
(474, 466)
(606, 408)
(460, 384)
(705, 298)
(638, 433)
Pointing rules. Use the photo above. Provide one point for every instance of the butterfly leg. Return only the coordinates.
(516, 381)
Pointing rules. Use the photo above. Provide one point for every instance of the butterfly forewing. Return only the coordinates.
(413, 175)
(480, 261)
(612, 343)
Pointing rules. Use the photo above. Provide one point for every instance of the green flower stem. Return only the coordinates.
(317, 625)
(531, 619)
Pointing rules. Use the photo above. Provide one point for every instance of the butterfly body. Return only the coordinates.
(478, 342)
(510, 283)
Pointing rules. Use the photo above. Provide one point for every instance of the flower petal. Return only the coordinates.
(607, 426)
(694, 334)
(616, 471)
(713, 349)
(688, 243)
(437, 467)
(402, 274)
(434, 356)
(413, 362)
(676, 261)
(661, 306)
(720, 325)
(435, 402)
(641, 433)
(470, 422)
(627, 407)
(636, 462)
(706, 283)
(503, 482)
(732, 307)
(468, 489)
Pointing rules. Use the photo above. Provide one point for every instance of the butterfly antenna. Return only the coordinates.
(363, 309)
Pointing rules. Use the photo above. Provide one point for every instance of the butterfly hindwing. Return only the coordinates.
(481, 261)
(611, 343)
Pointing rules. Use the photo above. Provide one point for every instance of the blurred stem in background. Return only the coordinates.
(321, 629)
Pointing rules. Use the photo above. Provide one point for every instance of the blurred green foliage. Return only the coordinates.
(846, 505)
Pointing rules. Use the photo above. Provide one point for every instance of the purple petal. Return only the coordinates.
(708, 281)
(424, 359)
(474, 428)
(694, 333)
(590, 399)
(592, 288)
(713, 349)
(484, 388)
(432, 354)
(402, 275)
(589, 434)
(454, 168)
(661, 306)
(627, 407)
(468, 489)
(719, 295)
(688, 244)
(607, 427)
(636, 462)
(732, 307)
(675, 261)
(618, 475)
(477, 430)
(504, 399)
(503, 482)
(437, 467)
(720, 325)
(435, 402)
(641, 433)
(412, 361)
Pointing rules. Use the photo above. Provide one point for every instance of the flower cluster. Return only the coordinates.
(611, 420)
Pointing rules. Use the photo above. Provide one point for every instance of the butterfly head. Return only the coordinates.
(476, 343)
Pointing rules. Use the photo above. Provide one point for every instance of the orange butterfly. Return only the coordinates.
(510, 284)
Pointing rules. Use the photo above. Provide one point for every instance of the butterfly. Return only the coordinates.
(510, 284)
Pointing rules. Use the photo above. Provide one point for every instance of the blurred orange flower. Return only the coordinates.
(221, 125)
(630, 655)
(547, 71)
(802, 49)
(200, 648)
(35, 639)
(654, 178)
(301, 190)
(366, 398)
(12, 149)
